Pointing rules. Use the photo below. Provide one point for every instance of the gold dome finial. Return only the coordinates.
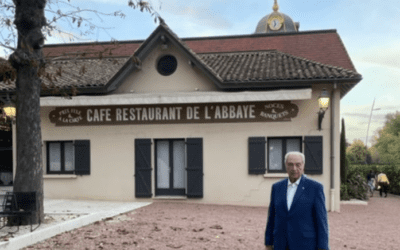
(276, 7)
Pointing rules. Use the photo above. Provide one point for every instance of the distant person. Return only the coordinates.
(383, 183)
(371, 182)
(297, 216)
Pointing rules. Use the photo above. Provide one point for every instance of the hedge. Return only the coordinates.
(355, 187)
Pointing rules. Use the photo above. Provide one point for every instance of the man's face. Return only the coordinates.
(294, 167)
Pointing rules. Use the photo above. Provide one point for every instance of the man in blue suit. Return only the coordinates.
(297, 216)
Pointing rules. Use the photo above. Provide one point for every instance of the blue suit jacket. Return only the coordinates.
(305, 225)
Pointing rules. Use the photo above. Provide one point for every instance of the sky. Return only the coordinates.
(369, 29)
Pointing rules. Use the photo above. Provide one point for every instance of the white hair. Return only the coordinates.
(295, 153)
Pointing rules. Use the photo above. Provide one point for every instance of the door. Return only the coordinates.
(170, 167)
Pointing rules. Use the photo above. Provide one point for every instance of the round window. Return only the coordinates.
(167, 65)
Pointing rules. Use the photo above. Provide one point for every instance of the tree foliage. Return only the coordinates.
(64, 21)
(24, 25)
(357, 151)
(387, 141)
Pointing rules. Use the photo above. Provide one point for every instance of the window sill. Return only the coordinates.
(170, 197)
(59, 176)
(279, 175)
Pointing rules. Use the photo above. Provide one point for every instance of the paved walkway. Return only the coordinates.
(65, 215)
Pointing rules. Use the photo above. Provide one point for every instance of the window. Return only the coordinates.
(277, 149)
(167, 65)
(60, 157)
(68, 157)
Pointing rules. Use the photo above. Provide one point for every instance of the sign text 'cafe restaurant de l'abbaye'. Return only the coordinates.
(203, 119)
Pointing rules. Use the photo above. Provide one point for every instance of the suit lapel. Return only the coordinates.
(299, 191)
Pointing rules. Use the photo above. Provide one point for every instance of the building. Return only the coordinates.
(204, 119)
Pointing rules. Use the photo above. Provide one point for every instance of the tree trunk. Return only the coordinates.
(27, 59)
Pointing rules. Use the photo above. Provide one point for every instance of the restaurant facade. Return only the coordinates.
(205, 120)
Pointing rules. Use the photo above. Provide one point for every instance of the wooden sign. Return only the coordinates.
(174, 113)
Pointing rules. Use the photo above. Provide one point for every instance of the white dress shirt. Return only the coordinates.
(292, 187)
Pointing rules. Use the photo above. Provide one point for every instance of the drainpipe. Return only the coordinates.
(333, 136)
(14, 148)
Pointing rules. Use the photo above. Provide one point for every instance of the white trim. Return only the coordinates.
(59, 176)
(276, 175)
(178, 97)
(160, 197)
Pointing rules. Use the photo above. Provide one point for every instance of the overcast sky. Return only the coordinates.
(369, 29)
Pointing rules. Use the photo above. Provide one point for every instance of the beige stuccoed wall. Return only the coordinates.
(225, 155)
(186, 78)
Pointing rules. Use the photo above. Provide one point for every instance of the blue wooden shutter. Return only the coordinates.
(143, 168)
(82, 157)
(257, 155)
(194, 151)
(313, 154)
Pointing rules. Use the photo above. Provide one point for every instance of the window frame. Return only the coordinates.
(284, 151)
(62, 157)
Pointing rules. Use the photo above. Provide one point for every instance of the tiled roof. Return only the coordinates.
(324, 46)
(241, 67)
(267, 66)
(227, 65)
(80, 73)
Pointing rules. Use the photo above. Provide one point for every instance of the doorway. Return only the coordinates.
(6, 162)
(170, 173)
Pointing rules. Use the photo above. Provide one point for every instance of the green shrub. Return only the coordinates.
(392, 172)
(344, 194)
(357, 187)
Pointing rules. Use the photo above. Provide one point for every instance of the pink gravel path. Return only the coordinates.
(177, 225)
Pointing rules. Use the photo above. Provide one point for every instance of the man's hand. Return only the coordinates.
(268, 247)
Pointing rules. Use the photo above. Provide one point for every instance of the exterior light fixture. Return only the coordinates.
(9, 108)
(10, 111)
(323, 103)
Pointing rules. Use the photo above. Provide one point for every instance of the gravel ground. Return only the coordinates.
(169, 225)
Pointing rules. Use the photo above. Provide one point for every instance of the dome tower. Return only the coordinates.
(276, 22)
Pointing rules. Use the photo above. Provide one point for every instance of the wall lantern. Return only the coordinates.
(9, 108)
(10, 111)
(323, 102)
